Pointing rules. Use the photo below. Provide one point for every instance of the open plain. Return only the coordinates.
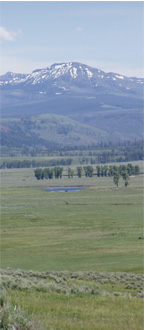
(83, 250)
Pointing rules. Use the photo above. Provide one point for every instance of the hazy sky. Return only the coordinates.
(107, 35)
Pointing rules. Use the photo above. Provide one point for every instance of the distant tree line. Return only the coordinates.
(101, 153)
(106, 152)
(113, 156)
(102, 171)
(35, 163)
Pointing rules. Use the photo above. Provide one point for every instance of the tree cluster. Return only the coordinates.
(48, 173)
(125, 177)
(123, 171)
(112, 169)
(88, 171)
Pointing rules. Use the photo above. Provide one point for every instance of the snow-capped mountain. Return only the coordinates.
(110, 103)
(73, 78)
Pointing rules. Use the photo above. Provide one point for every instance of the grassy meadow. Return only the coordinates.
(86, 248)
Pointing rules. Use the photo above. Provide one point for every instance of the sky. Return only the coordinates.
(107, 35)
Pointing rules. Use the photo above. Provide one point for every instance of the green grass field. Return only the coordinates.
(98, 229)
(80, 300)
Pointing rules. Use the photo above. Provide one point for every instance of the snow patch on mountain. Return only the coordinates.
(119, 77)
(58, 70)
(89, 73)
(73, 72)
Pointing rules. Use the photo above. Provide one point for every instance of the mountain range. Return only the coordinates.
(70, 104)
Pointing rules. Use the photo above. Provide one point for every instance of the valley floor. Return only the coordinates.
(71, 260)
